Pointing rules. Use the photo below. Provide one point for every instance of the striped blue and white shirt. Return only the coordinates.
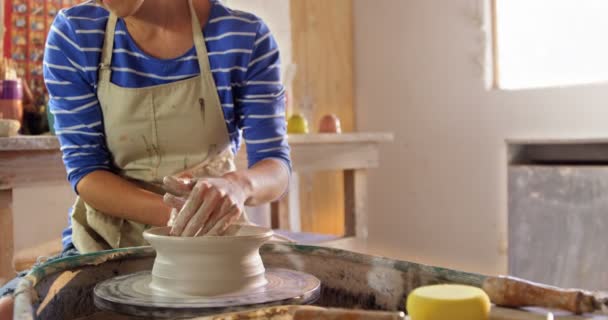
(245, 63)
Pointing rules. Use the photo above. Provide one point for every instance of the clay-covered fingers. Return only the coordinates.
(226, 207)
(174, 201)
(184, 175)
(191, 206)
(177, 186)
(172, 217)
(212, 200)
(222, 225)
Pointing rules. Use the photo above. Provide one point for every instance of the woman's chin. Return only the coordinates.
(123, 8)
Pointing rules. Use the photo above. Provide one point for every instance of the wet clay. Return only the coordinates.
(208, 265)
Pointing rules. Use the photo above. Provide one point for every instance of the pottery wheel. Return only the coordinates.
(131, 294)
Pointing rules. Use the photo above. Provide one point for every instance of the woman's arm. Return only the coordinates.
(79, 128)
(264, 182)
(260, 109)
(215, 203)
(117, 197)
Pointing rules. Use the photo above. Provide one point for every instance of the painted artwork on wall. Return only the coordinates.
(27, 23)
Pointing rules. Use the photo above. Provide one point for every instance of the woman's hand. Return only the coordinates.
(204, 206)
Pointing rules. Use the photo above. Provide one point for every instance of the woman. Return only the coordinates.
(146, 90)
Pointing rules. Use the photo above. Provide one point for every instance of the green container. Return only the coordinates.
(51, 119)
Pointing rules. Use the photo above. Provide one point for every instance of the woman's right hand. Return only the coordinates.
(178, 189)
(180, 185)
(118, 197)
(212, 206)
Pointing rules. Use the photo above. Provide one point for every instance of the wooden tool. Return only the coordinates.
(298, 312)
(514, 292)
(305, 313)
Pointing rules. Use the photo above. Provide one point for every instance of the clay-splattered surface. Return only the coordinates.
(64, 289)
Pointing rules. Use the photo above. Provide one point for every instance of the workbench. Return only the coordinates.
(36, 160)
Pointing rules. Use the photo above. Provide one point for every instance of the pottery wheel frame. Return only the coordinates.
(131, 295)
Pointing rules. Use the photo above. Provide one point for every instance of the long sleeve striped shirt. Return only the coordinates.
(245, 63)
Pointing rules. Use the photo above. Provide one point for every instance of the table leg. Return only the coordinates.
(6, 236)
(275, 213)
(355, 203)
(285, 213)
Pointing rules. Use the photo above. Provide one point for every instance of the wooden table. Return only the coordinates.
(29, 161)
(24, 161)
(353, 153)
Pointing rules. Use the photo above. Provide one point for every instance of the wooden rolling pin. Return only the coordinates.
(514, 292)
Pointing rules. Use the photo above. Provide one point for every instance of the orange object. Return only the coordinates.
(330, 124)
(11, 109)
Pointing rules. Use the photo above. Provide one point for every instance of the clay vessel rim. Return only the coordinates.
(161, 233)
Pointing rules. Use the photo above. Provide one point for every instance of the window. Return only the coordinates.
(543, 43)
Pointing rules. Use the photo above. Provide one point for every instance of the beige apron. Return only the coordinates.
(151, 133)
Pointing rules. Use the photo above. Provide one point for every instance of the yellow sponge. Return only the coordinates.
(448, 302)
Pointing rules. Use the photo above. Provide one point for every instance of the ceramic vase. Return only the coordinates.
(208, 265)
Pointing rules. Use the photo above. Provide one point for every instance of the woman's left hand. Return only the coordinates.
(204, 206)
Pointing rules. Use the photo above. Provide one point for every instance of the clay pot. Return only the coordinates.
(11, 95)
(208, 265)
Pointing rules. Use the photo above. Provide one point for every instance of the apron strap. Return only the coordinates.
(105, 67)
(201, 51)
(210, 103)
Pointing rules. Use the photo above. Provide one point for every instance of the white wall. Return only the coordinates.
(440, 196)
